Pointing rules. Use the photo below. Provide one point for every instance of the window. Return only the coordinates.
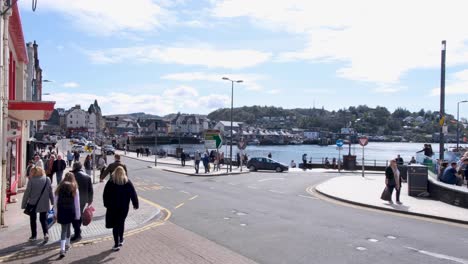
(71, 122)
(71, 116)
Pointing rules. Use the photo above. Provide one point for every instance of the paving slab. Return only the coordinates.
(366, 191)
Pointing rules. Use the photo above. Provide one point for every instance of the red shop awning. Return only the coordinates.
(30, 110)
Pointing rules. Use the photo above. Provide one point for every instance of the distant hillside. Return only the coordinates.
(372, 121)
(135, 116)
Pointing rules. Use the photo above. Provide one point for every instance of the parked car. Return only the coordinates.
(108, 149)
(78, 148)
(260, 163)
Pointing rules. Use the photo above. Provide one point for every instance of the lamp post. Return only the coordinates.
(232, 104)
(442, 100)
(156, 143)
(458, 121)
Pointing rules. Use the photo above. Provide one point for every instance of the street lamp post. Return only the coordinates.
(155, 143)
(458, 121)
(232, 106)
(442, 100)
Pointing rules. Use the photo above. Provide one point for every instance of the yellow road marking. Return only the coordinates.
(34, 252)
(190, 199)
(179, 205)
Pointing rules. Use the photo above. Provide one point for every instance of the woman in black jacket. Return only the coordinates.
(393, 180)
(118, 192)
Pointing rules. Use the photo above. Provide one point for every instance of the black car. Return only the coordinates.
(260, 163)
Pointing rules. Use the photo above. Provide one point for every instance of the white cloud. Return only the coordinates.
(70, 85)
(108, 16)
(320, 91)
(181, 91)
(376, 41)
(182, 98)
(250, 81)
(274, 91)
(202, 55)
(456, 84)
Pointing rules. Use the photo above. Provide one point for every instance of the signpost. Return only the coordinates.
(339, 144)
(363, 142)
(213, 139)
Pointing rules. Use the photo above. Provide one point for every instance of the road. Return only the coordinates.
(270, 218)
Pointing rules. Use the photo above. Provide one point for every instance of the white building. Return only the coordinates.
(188, 124)
(226, 126)
(77, 118)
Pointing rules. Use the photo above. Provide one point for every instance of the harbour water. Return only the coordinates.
(375, 152)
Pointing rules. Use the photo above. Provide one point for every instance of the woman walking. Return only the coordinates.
(67, 209)
(118, 192)
(393, 180)
(38, 192)
(49, 168)
(88, 164)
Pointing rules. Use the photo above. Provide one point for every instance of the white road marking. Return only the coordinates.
(372, 240)
(275, 191)
(391, 237)
(184, 192)
(243, 224)
(190, 199)
(226, 218)
(179, 205)
(270, 179)
(439, 256)
(231, 183)
(252, 187)
(306, 196)
(361, 248)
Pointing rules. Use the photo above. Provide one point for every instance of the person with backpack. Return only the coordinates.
(67, 209)
(85, 186)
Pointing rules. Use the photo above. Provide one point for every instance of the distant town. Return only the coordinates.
(256, 125)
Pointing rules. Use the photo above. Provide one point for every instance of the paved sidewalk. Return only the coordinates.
(13, 238)
(366, 191)
(173, 165)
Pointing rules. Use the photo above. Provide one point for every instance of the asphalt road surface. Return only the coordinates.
(270, 218)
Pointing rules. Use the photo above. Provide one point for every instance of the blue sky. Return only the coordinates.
(167, 56)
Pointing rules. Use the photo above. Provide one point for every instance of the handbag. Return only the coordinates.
(31, 208)
(88, 215)
(386, 196)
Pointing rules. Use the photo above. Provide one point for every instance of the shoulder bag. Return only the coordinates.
(31, 208)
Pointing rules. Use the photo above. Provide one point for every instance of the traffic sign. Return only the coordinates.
(339, 142)
(363, 141)
(213, 139)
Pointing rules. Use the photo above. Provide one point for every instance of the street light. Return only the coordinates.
(458, 121)
(232, 104)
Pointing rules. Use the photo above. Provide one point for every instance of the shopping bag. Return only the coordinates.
(385, 195)
(88, 215)
(50, 218)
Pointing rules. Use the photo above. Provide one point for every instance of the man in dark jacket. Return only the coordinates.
(110, 169)
(58, 167)
(85, 187)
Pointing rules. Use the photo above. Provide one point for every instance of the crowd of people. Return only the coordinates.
(73, 194)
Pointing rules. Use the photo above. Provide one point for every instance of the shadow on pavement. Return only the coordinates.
(98, 258)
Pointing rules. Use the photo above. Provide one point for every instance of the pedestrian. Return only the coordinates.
(334, 163)
(197, 158)
(399, 160)
(38, 161)
(293, 164)
(182, 158)
(327, 163)
(101, 164)
(58, 167)
(412, 161)
(269, 155)
(85, 186)
(38, 192)
(138, 152)
(29, 167)
(206, 163)
(449, 175)
(67, 209)
(110, 169)
(70, 157)
(88, 165)
(147, 152)
(393, 180)
(76, 156)
(304, 161)
(49, 168)
(118, 193)
(238, 157)
(216, 163)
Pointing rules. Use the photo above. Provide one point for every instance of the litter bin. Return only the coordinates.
(417, 180)
(349, 162)
(178, 152)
